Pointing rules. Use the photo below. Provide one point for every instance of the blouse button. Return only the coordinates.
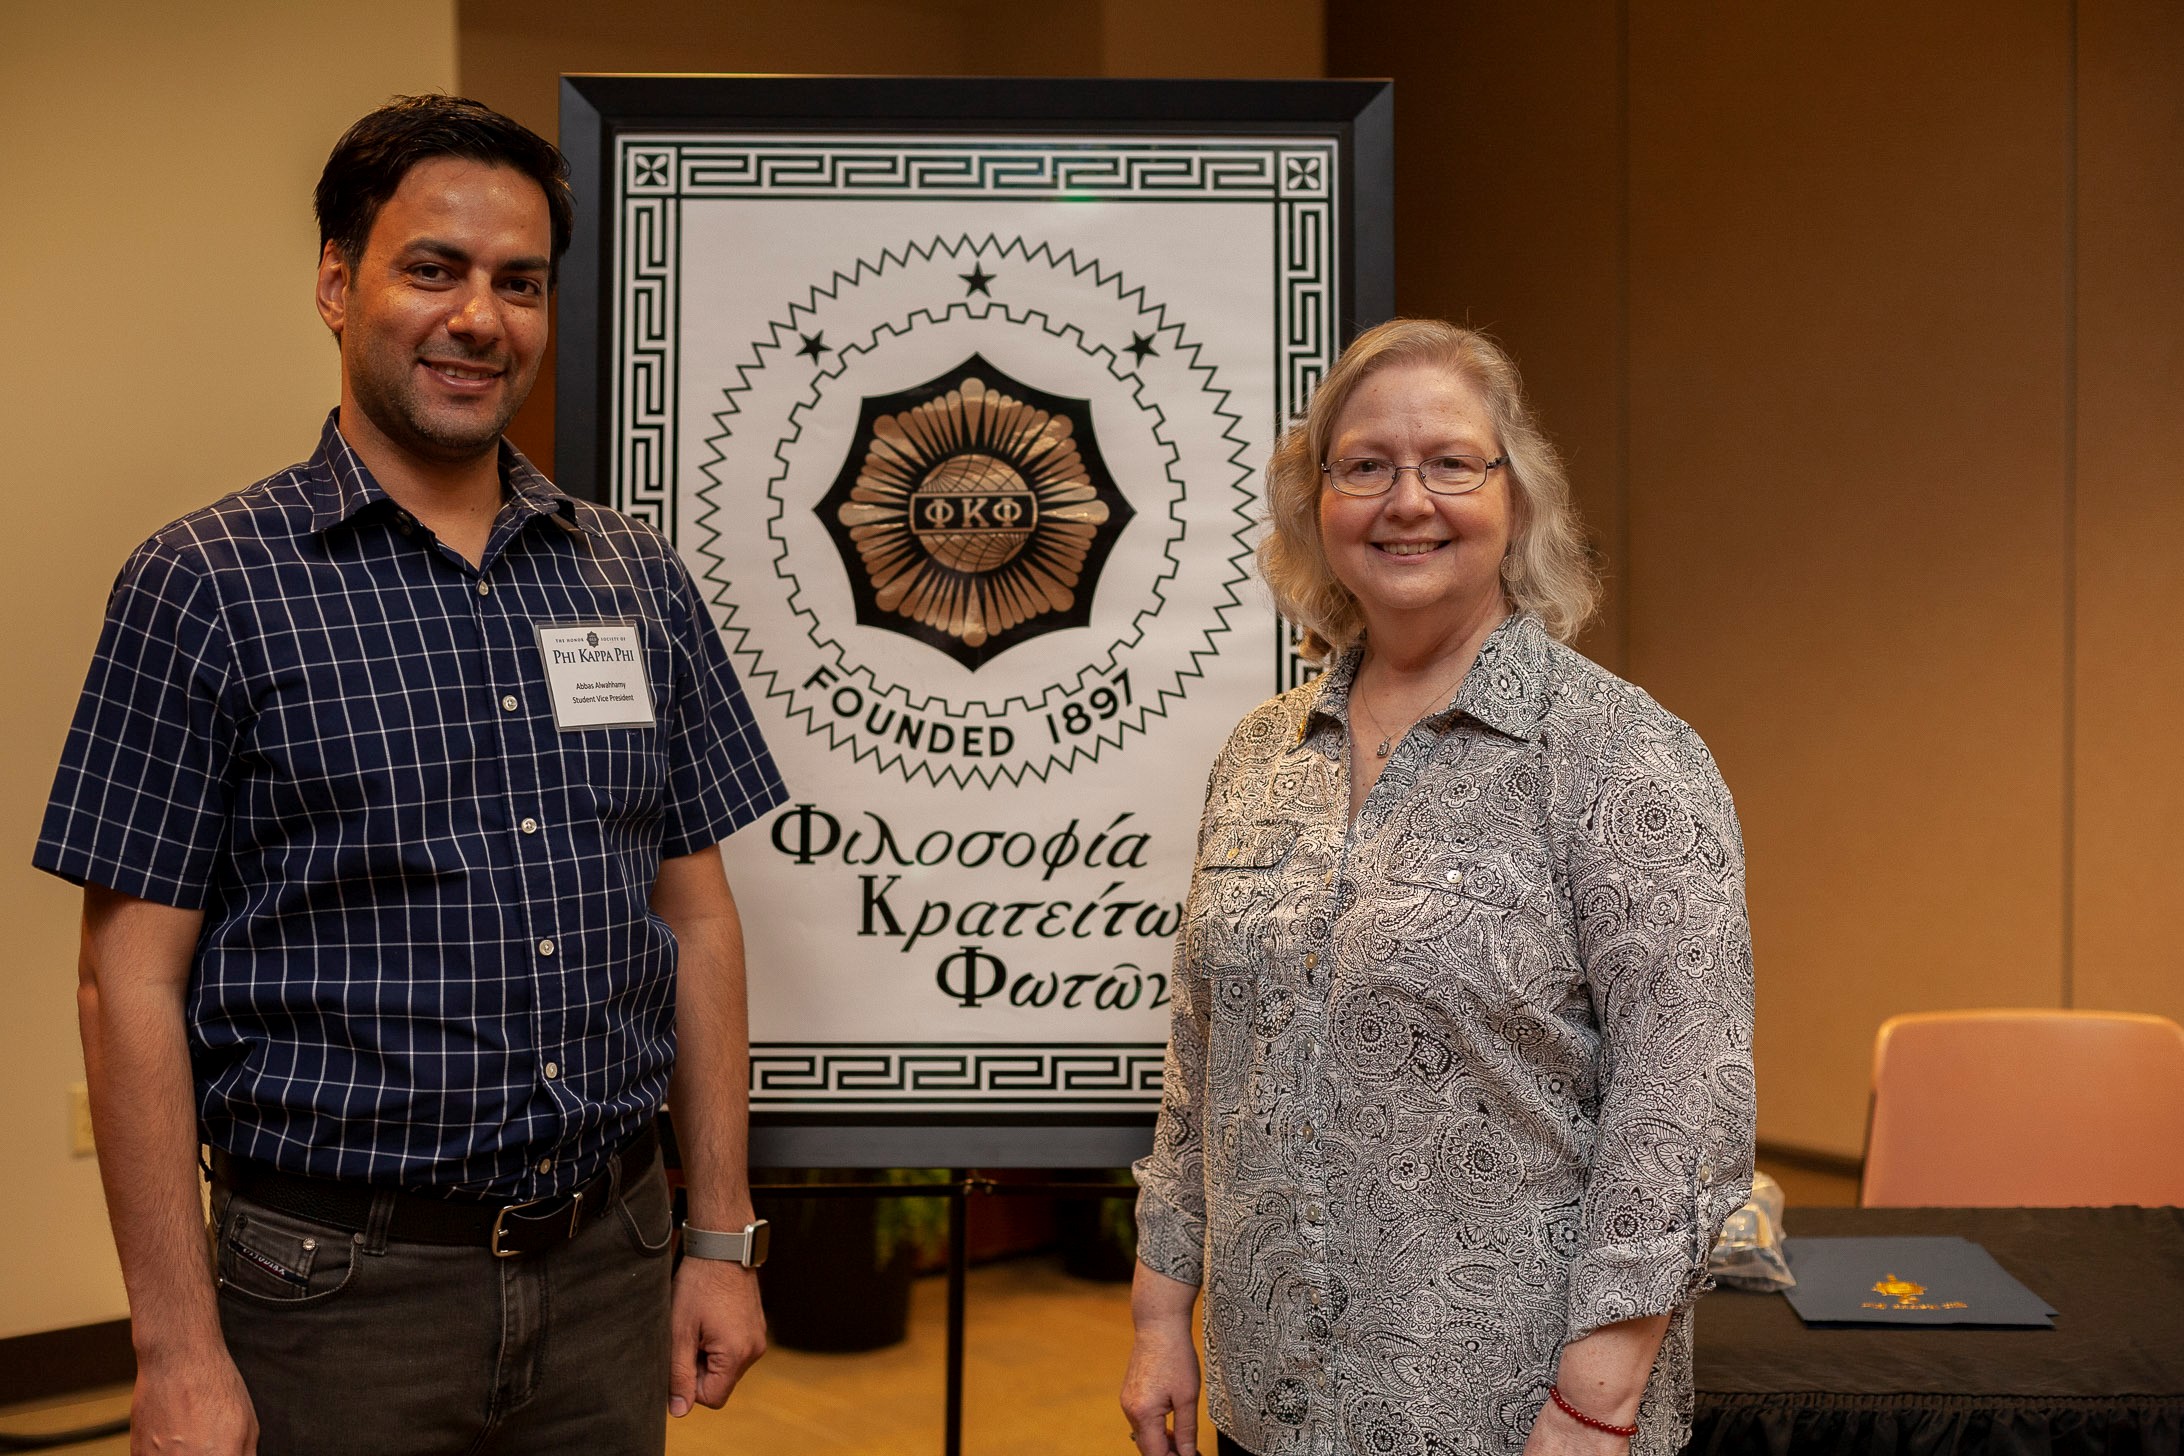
(1455, 877)
(1311, 960)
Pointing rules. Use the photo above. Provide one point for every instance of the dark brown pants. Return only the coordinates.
(406, 1349)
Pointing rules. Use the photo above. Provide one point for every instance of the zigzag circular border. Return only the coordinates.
(816, 630)
(774, 351)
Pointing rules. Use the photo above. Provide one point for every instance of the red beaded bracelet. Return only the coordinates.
(1554, 1393)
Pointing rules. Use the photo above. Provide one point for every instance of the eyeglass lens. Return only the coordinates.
(1368, 475)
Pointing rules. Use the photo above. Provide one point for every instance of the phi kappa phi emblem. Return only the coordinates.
(974, 512)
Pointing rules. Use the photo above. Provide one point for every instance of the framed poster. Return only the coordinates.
(955, 395)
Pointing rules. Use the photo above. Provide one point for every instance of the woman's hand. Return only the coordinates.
(1555, 1434)
(1604, 1375)
(1162, 1380)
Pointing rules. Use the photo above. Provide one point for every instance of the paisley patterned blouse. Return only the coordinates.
(1463, 1081)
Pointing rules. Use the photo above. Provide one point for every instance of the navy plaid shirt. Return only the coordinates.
(427, 957)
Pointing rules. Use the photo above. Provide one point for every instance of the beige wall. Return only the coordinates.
(1860, 324)
(155, 298)
(2128, 667)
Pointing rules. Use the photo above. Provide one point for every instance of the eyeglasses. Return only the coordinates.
(1443, 474)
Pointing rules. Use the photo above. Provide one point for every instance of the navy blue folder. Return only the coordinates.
(1907, 1281)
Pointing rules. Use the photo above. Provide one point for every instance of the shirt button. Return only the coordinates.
(509, 702)
(530, 826)
(545, 947)
(545, 1166)
(485, 588)
(553, 1070)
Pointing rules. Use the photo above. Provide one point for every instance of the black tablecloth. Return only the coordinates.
(2109, 1378)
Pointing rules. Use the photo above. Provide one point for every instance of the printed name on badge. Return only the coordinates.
(595, 674)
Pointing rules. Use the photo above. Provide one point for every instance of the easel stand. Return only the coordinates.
(961, 1187)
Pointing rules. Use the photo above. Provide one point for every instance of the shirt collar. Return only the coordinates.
(1506, 688)
(342, 485)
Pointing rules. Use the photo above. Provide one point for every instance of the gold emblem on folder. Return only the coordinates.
(1907, 1296)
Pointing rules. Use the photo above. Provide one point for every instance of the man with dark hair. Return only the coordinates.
(395, 792)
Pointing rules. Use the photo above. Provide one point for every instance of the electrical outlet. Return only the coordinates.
(79, 1122)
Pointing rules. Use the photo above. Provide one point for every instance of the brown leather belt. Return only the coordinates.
(508, 1229)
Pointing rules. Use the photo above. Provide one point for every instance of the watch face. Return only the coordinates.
(760, 1239)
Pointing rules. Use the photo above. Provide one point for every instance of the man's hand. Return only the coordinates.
(192, 1405)
(717, 1331)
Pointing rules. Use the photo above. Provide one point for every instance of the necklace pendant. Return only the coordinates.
(1382, 750)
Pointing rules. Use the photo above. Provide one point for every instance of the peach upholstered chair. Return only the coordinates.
(2033, 1108)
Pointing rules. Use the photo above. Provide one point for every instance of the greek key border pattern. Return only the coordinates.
(656, 173)
(1305, 349)
(785, 1074)
(646, 304)
(846, 167)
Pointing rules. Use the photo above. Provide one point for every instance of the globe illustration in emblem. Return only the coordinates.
(973, 512)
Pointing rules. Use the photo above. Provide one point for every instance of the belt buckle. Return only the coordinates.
(576, 1207)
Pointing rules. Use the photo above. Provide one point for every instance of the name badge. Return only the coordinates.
(595, 674)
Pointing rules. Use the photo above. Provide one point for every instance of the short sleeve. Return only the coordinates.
(141, 800)
(721, 775)
(1657, 879)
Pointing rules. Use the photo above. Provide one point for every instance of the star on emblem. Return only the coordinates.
(815, 345)
(1142, 346)
(977, 278)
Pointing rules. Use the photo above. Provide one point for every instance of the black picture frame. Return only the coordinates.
(1357, 116)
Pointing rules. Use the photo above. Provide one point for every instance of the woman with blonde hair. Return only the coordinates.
(1459, 1082)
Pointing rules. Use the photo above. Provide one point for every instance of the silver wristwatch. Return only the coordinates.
(747, 1248)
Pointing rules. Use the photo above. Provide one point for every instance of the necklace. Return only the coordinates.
(1386, 737)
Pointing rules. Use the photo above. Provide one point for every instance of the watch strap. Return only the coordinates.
(746, 1247)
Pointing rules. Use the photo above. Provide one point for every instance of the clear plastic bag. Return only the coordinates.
(1748, 1255)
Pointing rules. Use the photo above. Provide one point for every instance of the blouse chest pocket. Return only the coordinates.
(1234, 891)
(1247, 847)
(1480, 878)
(1464, 866)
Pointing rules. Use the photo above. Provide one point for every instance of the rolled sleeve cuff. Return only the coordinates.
(1614, 1282)
(1170, 1241)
